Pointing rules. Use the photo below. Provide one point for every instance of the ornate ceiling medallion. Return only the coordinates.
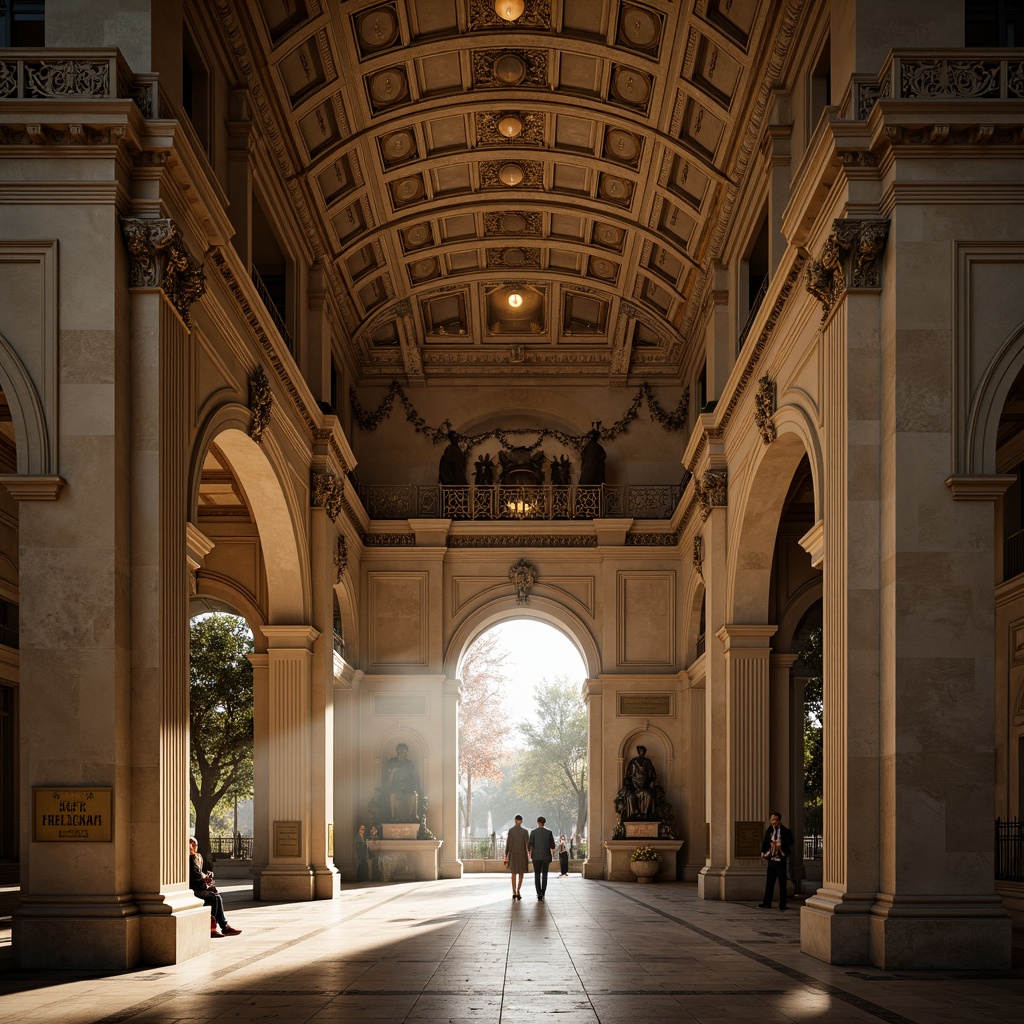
(388, 87)
(511, 174)
(377, 29)
(509, 69)
(510, 126)
(608, 236)
(512, 222)
(631, 87)
(615, 189)
(521, 175)
(639, 28)
(398, 147)
(417, 236)
(623, 147)
(424, 270)
(408, 190)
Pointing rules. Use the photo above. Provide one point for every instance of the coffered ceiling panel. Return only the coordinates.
(576, 154)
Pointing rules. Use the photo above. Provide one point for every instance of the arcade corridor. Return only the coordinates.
(462, 951)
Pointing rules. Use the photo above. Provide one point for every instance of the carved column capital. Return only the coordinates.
(159, 259)
(327, 493)
(712, 491)
(849, 259)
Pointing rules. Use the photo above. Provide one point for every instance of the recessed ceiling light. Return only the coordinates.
(515, 300)
(509, 10)
(510, 174)
(510, 126)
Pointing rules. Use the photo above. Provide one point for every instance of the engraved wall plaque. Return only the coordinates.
(641, 829)
(748, 838)
(83, 815)
(646, 705)
(287, 838)
(330, 839)
(400, 704)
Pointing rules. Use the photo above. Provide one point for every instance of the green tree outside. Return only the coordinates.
(220, 716)
(811, 655)
(552, 769)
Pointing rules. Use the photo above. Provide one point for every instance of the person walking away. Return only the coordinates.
(541, 846)
(516, 856)
(563, 856)
(776, 847)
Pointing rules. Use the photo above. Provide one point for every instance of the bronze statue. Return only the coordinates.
(638, 796)
(561, 471)
(592, 458)
(522, 466)
(402, 785)
(452, 469)
(483, 471)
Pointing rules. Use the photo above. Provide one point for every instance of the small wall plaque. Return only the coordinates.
(83, 815)
(287, 838)
(641, 829)
(400, 830)
(748, 838)
(401, 704)
(330, 839)
(647, 705)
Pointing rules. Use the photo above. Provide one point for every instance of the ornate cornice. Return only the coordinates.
(520, 540)
(261, 400)
(159, 259)
(849, 259)
(764, 409)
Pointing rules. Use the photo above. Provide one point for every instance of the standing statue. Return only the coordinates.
(483, 471)
(402, 786)
(561, 471)
(592, 458)
(452, 469)
(638, 796)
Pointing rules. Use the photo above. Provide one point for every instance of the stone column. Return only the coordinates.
(752, 747)
(289, 871)
(710, 881)
(260, 769)
(451, 865)
(599, 824)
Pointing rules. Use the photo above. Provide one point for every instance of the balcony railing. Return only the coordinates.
(520, 502)
(754, 307)
(272, 309)
(1010, 850)
(1013, 555)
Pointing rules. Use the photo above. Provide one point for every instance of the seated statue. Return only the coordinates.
(402, 786)
(637, 798)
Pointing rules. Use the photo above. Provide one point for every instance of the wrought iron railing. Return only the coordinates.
(1009, 850)
(1013, 555)
(272, 309)
(492, 847)
(812, 847)
(755, 305)
(239, 848)
(523, 502)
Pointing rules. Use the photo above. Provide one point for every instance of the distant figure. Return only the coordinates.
(402, 784)
(362, 856)
(563, 856)
(776, 846)
(452, 469)
(483, 471)
(516, 856)
(635, 800)
(561, 471)
(373, 853)
(592, 459)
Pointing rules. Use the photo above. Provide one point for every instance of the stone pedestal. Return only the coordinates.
(617, 853)
(408, 860)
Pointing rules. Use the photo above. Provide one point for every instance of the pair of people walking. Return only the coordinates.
(522, 846)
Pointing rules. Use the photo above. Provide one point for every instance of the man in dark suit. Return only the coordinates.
(541, 845)
(776, 847)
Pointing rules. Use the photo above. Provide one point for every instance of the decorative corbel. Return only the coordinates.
(764, 409)
(159, 259)
(261, 399)
(522, 575)
(849, 259)
(712, 491)
(327, 493)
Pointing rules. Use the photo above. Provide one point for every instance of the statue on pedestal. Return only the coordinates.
(592, 458)
(452, 469)
(401, 786)
(638, 796)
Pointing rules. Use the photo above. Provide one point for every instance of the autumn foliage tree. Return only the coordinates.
(220, 715)
(483, 718)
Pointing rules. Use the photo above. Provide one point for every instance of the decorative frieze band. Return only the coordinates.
(849, 259)
(261, 399)
(327, 493)
(712, 491)
(159, 259)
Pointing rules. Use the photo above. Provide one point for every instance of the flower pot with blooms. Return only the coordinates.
(646, 863)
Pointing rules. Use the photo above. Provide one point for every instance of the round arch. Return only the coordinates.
(227, 594)
(540, 609)
(31, 436)
(794, 614)
(987, 406)
(760, 511)
(278, 525)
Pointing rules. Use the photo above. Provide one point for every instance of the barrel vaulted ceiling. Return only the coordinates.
(580, 157)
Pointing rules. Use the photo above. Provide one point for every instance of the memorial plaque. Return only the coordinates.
(641, 829)
(401, 704)
(330, 839)
(647, 705)
(748, 838)
(400, 830)
(287, 838)
(84, 815)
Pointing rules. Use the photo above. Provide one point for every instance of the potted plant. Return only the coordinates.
(646, 863)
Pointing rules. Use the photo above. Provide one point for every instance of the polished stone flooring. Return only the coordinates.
(463, 951)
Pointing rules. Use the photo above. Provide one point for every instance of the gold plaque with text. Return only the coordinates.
(748, 838)
(287, 838)
(84, 815)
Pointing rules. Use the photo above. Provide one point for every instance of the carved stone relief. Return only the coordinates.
(159, 260)
(261, 400)
(522, 575)
(327, 493)
(764, 409)
(849, 259)
(712, 491)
